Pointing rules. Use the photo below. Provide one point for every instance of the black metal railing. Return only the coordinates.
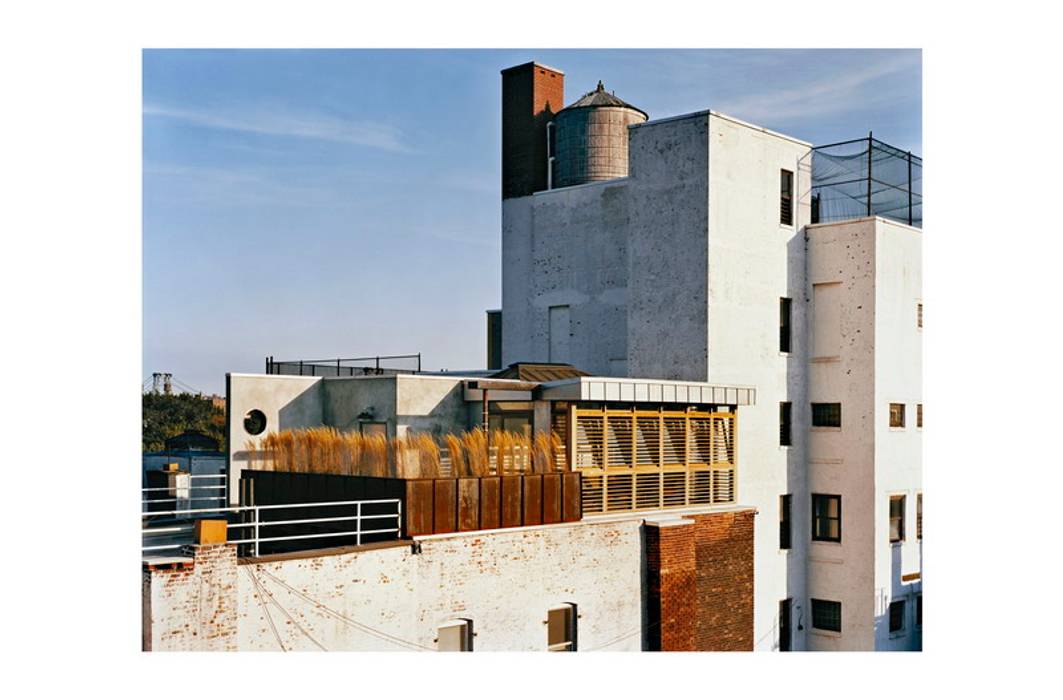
(347, 366)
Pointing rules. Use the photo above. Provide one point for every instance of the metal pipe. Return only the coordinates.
(870, 150)
(909, 188)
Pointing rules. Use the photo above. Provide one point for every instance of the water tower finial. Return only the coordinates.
(601, 88)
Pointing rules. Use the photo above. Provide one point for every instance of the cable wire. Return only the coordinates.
(262, 602)
(273, 599)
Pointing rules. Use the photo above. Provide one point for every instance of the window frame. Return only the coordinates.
(900, 607)
(786, 430)
(903, 500)
(786, 521)
(897, 416)
(786, 310)
(816, 531)
(570, 627)
(465, 635)
(786, 197)
(830, 415)
(820, 603)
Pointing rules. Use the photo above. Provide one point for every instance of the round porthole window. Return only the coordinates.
(254, 421)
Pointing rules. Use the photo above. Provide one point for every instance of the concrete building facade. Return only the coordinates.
(682, 269)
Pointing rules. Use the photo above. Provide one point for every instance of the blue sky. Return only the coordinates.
(311, 204)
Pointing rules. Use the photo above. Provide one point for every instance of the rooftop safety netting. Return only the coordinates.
(866, 177)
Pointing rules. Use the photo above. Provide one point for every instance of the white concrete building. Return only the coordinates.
(694, 266)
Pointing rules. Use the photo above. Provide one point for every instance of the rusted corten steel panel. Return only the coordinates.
(533, 499)
(445, 518)
(419, 507)
(468, 504)
(551, 498)
(570, 496)
(511, 501)
(490, 502)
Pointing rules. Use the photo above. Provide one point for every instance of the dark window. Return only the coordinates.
(896, 518)
(896, 415)
(784, 624)
(826, 518)
(784, 324)
(919, 610)
(561, 628)
(784, 521)
(786, 197)
(897, 616)
(827, 415)
(919, 516)
(827, 615)
(785, 411)
(254, 422)
(919, 415)
(919, 314)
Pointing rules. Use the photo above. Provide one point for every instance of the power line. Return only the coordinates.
(262, 602)
(340, 616)
(291, 619)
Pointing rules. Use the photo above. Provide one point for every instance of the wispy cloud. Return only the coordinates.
(307, 125)
(842, 91)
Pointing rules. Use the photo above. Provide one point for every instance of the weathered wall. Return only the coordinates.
(753, 261)
(566, 247)
(667, 264)
(504, 581)
(898, 451)
(190, 605)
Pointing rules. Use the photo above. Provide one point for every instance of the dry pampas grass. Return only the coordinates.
(325, 450)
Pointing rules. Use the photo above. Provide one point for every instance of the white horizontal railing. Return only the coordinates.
(148, 496)
(255, 524)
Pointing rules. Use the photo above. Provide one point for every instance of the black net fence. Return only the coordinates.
(866, 177)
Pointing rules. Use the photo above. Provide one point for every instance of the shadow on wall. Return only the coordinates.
(910, 635)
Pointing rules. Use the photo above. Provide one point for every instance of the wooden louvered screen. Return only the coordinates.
(645, 460)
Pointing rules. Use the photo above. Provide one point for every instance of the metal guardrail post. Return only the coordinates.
(254, 545)
(358, 523)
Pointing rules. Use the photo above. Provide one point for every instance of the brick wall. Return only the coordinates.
(700, 582)
(724, 544)
(190, 605)
(531, 95)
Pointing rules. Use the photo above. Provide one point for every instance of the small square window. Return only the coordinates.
(561, 628)
(827, 615)
(826, 518)
(897, 616)
(896, 415)
(896, 518)
(827, 415)
(455, 636)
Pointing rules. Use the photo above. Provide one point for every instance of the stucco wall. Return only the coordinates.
(504, 581)
(566, 247)
(753, 261)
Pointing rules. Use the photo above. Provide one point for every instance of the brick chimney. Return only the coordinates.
(531, 95)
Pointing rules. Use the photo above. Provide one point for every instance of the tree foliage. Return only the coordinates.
(167, 415)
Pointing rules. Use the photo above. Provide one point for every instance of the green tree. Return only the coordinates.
(166, 415)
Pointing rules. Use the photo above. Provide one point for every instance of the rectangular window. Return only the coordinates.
(896, 415)
(826, 518)
(919, 516)
(785, 411)
(561, 628)
(896, 518)
(784, 625)
(785, 305)
(784, 521)
(919, 610)
(786, 197)
(827, 615)
(827, 415)
(919, 315)
(455, 636)
(919, 415)
(897, 616)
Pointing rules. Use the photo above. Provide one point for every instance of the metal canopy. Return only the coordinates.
(646, 390)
